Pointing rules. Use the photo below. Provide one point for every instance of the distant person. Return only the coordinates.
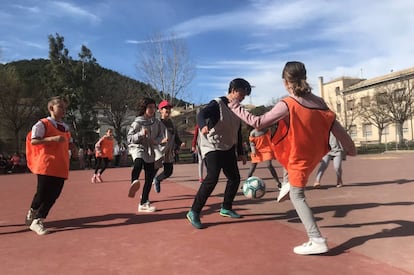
(90, 154)
(144, 135)
(261, 151)
(336, 154)
(15, 163)
(47, 149)
(81, 157)
(164, 156)
(301, 140)
(117, 154)
(195, 148)
(221, 145)
(104, 149)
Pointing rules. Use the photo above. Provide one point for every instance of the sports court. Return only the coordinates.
(96, 229)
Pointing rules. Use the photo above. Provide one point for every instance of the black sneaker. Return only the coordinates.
(157, 185)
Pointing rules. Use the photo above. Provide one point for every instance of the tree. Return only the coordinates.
(74, 80)
(377, 114)
(118, 97)
(165, 64)
(17, 112)
(398, 99)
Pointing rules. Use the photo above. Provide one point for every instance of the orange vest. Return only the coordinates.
(107, 148)
(263, 148)
(301, 140)
(52, 158)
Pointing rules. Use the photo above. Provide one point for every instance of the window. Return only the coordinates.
(405, 127)
(338, 108)
(367, 129)
(337, 91)
(382, 98)
(365, 101)
(353, 131)
(386, 130)
(350, 104)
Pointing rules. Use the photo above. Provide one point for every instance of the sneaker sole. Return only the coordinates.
(321, 251)
(40, 233)
(147, 211)
(133, 189)
(230, 216)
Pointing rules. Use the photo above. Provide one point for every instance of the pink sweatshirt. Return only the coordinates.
(280, 111)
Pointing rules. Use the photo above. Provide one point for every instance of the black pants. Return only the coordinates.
(168, 170)
(217, 160)
(149, 170)
(99, 163)
(48, 190)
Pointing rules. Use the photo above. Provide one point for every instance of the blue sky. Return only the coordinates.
(252, 39)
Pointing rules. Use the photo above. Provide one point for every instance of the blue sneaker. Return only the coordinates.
(229, 213)
(157, 185)
(194, 219)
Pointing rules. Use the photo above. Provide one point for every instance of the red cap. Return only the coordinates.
(164, 104)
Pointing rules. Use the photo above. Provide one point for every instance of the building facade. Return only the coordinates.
(358, 108)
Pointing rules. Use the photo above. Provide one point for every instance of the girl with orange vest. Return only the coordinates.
(261, 151)
(47, 152)
(104, 152)
(301, 140)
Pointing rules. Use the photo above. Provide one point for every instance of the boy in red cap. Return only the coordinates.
(165, 154)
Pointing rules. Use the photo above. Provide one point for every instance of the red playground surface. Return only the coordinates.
(96, 229)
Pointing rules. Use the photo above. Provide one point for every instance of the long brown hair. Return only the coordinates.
(294, 73)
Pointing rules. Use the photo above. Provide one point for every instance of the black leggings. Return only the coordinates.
(168, 170)
(99, 163)
(48, 190)
(149, 170)
(217, 160)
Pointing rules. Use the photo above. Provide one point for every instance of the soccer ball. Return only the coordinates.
(254, 188)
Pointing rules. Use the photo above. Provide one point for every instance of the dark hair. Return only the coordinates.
(241, 85)
(143, 104)
(294, 73)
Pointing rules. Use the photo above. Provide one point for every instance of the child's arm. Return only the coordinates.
(339, 132)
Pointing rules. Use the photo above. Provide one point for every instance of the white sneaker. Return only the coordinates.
(146, 207)
(311, 247)
(133, 188)
(37, 226)
(284, 191)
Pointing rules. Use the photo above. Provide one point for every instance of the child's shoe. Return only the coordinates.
(312, 247)
(99, 178)
(133, 188)
(146, 207)
(38, 227)
(93, 179)
(29, 217)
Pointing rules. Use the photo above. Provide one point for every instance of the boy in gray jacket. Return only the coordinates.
(220, 145)
(164, 156)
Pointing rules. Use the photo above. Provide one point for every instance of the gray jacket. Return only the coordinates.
(142, 145)
(223, 136)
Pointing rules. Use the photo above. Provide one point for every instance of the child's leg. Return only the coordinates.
(252, 169)
(272, 170)
(48, 190)
(168, 170)
(105, 165)
(324, 164)
(297, 196)
(149, 176)
(98, 164)
(337, 163)
(136, 170)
